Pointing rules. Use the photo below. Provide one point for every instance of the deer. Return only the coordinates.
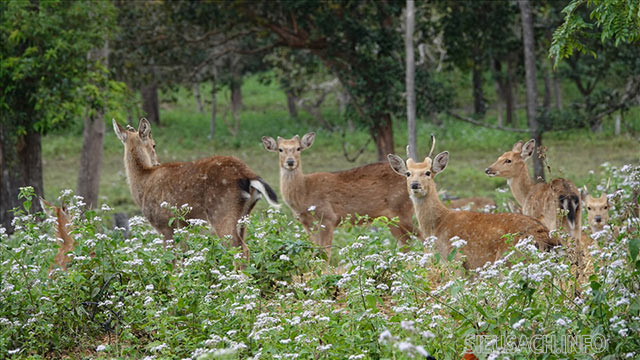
(66, 243)
(320, 201)
(219, 189)
(483, 232)
(597, 210)
(539, 200)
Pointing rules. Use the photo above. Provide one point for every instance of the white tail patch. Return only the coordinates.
(256, 184)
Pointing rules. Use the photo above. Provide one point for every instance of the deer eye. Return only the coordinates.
(154, 146)
(280, 149)
(606, 207)
(508, 161)
(428, 173)
(408, 174)
(589, 208)
(298, 149)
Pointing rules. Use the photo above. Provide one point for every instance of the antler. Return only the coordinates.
(433, 145)
(608, 183)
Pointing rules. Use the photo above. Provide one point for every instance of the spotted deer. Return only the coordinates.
(320, 201)
(65, 241)
(539, 200)
(219, 189)
(483, 232)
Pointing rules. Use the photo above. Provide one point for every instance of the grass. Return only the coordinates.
(183, 136)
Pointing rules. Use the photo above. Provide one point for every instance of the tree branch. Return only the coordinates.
(479, 123)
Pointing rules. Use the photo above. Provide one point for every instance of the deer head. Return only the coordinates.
(139, 144)
(511, 162)
(597, 210)
(289, 149)
(420, 175)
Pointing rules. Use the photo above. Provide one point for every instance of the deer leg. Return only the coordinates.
(402, 232)
(228, 227)
(325, 236)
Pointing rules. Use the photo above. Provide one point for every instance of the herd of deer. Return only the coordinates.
(223, 190)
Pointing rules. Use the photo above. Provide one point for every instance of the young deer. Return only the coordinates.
(539, 200)
(220, 189)
(325, 198)
(597, 211)
(483, 232)
(65, 241)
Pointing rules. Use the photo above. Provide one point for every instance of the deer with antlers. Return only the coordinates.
(483, 232)
(320, 201)
(219, 189)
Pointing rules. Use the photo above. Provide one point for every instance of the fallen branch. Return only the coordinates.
(480, 123)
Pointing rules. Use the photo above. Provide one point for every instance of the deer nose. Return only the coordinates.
(290, 162)
(415, 185)
(598, 218)
(487, 171)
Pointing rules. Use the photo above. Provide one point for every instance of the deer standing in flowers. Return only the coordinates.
(219, 189)
(484, 233)
(320, 201)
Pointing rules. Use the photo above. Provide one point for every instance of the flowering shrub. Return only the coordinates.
(129, 297)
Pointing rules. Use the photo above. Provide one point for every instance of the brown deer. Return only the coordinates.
(597, 210)
(539, 200)
(219, 189)
(483, 232)
(320, 201)
(65, 241)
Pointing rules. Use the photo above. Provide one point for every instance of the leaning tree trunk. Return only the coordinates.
(530, 77)
(92, 145)
(382, 135)
(20, 165)
(410, 81)
(150, 105)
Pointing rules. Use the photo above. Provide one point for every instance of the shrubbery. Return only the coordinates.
(129, 297)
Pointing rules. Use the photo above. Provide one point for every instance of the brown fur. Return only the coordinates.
(483, 232)
(597, 211)
(371, 190)
(471, 203)
(65, 241)
(538, 200)
(211, 186)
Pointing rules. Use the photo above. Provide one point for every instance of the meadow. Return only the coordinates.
(125, 296)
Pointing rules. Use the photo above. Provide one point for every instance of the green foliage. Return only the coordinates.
(44, 63)
(618, 20)
(131, 297)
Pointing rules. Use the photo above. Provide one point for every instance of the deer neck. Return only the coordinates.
(429, 211)
(292, 186)
(137, 174)
(521, 185)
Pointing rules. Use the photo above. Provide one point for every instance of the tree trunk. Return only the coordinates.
(617, 125)
(478, 95)
(20, 165)
(92, 145)
(150, 105)
(546, 102)
(410, 80)
(499, 84)
(557, 91)
(291, 104)
(236, 99)
(214, 109)
(382, 135)
(196, 94)
(509, 96)
(530, 77)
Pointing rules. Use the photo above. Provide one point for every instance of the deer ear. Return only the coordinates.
(517, 147)
(269, 143)
(397, 164)
(440, 162)
(144, 128)
(307, 140)
(584, 193)
(46, 207)
(121, 133)
(528, 149)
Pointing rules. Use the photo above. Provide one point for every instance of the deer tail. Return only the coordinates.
(266, 191)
